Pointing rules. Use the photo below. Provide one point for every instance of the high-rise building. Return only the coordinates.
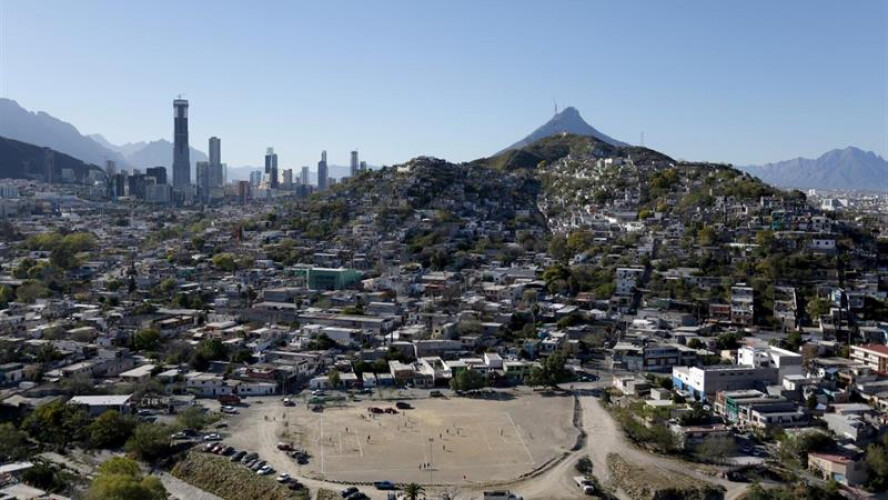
(181, 156)
(363, 166)
(215, 151)
(271, 168)
(159, 174)
(110, 167)
(256, 178)
(288, 178)
(203, 179)
(304, 177)
(354, 164)
(322, 172)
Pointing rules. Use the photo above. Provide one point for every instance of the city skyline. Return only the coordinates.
(719, 83)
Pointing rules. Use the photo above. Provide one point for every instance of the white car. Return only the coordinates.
(229, 409)
(265, 470)
(283, 478)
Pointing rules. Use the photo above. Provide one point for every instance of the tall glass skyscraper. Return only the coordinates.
(181, 156)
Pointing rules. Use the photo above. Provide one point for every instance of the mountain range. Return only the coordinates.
(143, 154)
(567, 121)
(43, 129)
(20, 160)
(850, 168)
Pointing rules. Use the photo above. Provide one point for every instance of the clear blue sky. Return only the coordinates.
(739, 81)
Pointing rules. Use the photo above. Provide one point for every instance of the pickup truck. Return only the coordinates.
(586, 485)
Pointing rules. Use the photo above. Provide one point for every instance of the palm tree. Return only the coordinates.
(413, 491)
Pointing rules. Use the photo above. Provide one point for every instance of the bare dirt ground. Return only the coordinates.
(534, 429)
(463, 441)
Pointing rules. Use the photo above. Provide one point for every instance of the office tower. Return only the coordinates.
(181, 156)
(304, 177)
(110, 167)
(363, 166)
(203, 180)
(271, 168)
(354, 163)
(322, 172)
(288, 178)
(256, 178)
(215, 151)
(159, 174)
(136, 185)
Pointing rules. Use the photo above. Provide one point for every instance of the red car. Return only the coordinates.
(374, 409)
(391, 410)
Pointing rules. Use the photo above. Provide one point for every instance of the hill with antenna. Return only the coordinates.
(567, 121)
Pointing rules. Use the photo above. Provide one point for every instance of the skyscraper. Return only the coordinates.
(203, 180)
(216, 173)
(322, 172)
(363, 166)
(271, 168)
(215, 151)
(181, 156)
(288, 178)
(304, 178)
(354, 163)
(159, 174)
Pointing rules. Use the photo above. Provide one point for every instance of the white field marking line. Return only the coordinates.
(321, 422)
(360, 448)
(518, 433)
(484, 435)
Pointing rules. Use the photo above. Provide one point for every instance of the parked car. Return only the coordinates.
(237, 457)
(229, 409)
(374, 409)
(384, 485)
(403, 405)
(358, 495)
(436, 394)
(213, 436)
(258, 465)
(250, 456)
(283, 478)
(288, 402)
(296, 485)
(284, 446)
(348, 491)
(391, 411)
(265, 470)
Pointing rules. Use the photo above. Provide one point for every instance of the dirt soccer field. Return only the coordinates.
(438, 441)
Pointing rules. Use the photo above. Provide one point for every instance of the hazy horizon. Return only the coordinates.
(739, 83)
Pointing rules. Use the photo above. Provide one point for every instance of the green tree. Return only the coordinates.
(109, 430)
(717, 448)
(57, 423)
(550, 372)
(225, 262)
(334, 378)
(30, 290)
(13, 443)
(7, 295)
(206, 351)
(467, 380)
(413, 491)
(150, 442)
(121, 479)
(147, 339)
